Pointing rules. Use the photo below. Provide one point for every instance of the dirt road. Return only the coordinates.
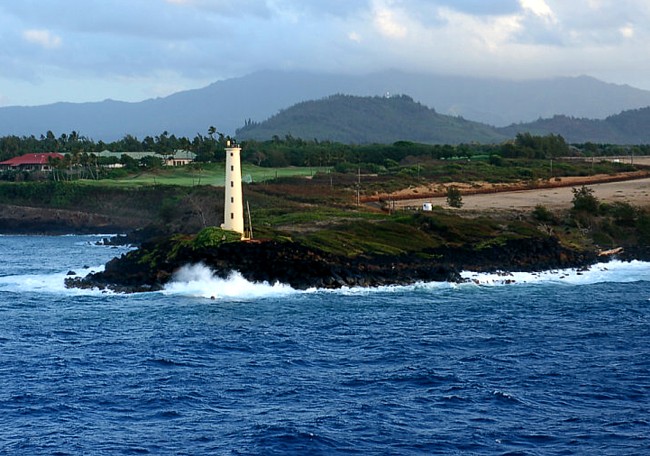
(636, 192)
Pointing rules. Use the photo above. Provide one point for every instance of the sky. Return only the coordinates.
(131, 50)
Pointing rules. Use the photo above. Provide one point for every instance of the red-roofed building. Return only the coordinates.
(31, 162)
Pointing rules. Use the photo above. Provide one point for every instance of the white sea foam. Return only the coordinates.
(613, 272)
(93, 235)
(53, 283)
(362, 291)
(198, 280)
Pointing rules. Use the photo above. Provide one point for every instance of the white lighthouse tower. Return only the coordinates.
(233, 213)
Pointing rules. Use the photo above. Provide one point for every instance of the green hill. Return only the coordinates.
(628, 127)
(363, 120)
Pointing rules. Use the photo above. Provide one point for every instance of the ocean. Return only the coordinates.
(556, 363)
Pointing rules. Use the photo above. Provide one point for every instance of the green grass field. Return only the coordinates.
(210, 174)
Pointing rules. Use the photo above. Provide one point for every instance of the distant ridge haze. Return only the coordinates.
(228, 104)
(629, 127)
(363, 120)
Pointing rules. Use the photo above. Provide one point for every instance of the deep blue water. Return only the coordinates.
(556, 366)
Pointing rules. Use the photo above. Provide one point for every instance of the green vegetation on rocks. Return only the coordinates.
(213, 237)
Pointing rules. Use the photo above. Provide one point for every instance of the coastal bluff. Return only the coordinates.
(153, 264)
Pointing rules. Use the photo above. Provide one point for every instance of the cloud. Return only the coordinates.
(389, 23)
(239, 8)
(158, 45)
(471, 7)
(539, 8)
(354, 36)
(627, 31)
(43, 38)
(343, 9)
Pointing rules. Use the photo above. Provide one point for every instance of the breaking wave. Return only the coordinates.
(199, 281)
(47, 283)
(612, 272)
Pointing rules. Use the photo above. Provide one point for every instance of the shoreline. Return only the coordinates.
(154, 264)
(481, 278)
(30, 220)
(209, 288)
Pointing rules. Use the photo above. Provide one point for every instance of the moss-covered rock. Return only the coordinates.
(214, 237)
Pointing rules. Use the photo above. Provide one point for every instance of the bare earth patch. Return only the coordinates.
(628, 187)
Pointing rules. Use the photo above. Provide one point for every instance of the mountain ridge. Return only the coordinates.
(361, 120)
(353, 119)
(627, 127)
(228, 104)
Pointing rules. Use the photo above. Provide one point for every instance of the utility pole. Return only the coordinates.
(359, 186)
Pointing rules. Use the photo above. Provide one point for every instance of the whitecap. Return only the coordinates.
(613, 272)
(198, 280)
(50, 283)
(362, 291)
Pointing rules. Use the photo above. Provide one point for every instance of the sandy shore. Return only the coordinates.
(636, 192)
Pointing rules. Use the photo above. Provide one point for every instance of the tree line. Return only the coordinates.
(290, 151)
(207, 147)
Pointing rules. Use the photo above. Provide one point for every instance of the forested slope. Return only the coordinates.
(364, 120)
(628, 127)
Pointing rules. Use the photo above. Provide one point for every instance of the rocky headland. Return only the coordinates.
(153, 265)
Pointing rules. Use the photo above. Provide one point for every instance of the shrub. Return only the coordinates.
(525, 173)
(603, 239)
(390, 164)
(345, 167)
(643, 227)
(542, 214)
(213, 237)
(495, 160)
(624, 213)
(584, 200)
(454, 198)
(168, 210)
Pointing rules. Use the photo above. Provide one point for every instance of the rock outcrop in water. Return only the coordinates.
(153, 265)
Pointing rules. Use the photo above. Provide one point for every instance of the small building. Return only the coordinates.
(180, 158)
(31, 162)
(175, 158)
(118, 155)
(427, 207)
